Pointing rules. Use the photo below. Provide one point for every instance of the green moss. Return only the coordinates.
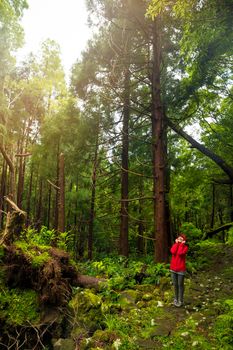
(86, 307)
(19, 307)
(38, 255)
(41, 259)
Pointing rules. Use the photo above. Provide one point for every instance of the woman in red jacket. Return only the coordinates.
(178, 268)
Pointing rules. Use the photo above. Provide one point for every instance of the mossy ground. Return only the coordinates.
(145, 318)
(125, 315)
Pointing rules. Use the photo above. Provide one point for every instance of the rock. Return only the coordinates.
(64, 344)
(130, 296)
(147, 297)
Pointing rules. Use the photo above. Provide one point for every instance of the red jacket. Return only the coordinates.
(179, 251)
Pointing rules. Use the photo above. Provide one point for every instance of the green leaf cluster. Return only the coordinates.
(223, 328)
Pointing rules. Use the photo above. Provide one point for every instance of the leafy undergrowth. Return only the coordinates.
(134, 309)
(127, 315)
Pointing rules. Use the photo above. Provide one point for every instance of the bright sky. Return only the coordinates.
(64, 21)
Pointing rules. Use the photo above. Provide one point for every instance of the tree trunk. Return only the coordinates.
(141, 228)
(39, 206)
(159, 152)
(213, 206)
(22, 162)
(21, 169)
(29, 194)
(124, 244)
(93, 191)
(12, 187)
(49, 206)
(61, 201)
(2, 191)
(57, 192)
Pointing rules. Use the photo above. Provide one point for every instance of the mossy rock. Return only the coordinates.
(164, 283)
(86, 308)
(147, 297)
(79, 332)
(129, 297)
(85, 300)
(64, 344)
(107, 336)
(102, 339)
(108, 307)
(145, 288)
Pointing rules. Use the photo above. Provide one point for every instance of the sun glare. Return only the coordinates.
(64, 21)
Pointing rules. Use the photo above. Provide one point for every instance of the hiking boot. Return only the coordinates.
(178, 303)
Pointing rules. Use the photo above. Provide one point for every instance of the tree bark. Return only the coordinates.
(213, 207)
(159, 152)
(39, 206)
(49, 206)
(124, 225)
(93, 191)
(141, 227)
(2, 191)
(61, 201)
(29, 194)
(56, 209)
(12, 186)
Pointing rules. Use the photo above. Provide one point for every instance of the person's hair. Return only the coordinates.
(183, 236)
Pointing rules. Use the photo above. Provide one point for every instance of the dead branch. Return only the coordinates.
(53, 185)
(14, 206)
(23, 155)
(2, 211)
(7, 158)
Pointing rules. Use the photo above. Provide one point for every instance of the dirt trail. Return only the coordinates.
(204, 291)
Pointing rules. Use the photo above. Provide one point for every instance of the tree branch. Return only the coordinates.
(53, 185)
(213, 156)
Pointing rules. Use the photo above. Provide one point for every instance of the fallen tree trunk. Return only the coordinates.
(47, 270)
(228, 170)
(89, 281)
(211, 233)
(53, 278)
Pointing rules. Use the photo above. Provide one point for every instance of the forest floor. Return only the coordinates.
(205, 292)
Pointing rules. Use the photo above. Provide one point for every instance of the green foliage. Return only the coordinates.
(223, 328)
(121, 272)
(230, 236)
(19, 307)
(1, 253)
(191, 231)
(46, 237)
(43, 237)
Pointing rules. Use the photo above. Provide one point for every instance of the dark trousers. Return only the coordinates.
(178, 283)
